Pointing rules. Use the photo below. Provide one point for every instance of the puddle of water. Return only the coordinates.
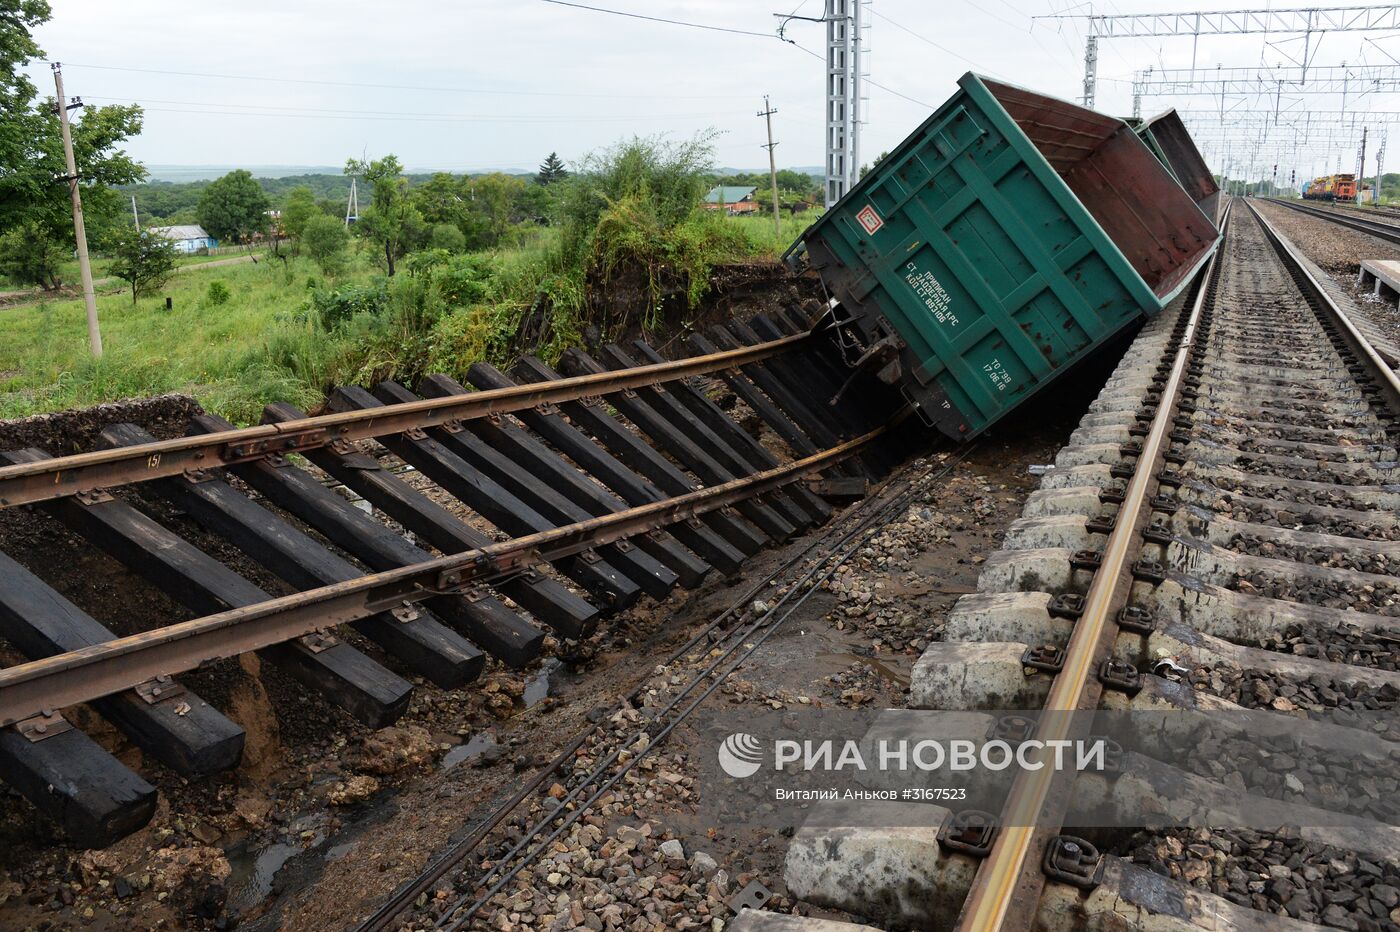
(471, 750)
(255, 867)
(253, 872)
(537, 687)
(336, 852)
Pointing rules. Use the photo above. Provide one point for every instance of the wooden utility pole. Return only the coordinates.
(767, 114)
(79, 233)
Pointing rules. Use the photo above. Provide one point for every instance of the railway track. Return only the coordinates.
(1219, 537)
(480, 867)
(1388, 230)
(618, 481)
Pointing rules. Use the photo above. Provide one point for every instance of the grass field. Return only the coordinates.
(213, 352)
(261, 344)
(68, 273)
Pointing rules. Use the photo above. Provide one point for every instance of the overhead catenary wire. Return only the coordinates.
(661, 19)
(866, 79)
(921, 38)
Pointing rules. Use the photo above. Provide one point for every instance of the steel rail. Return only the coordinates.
(868, 514)
(808, 584)
(26, 483)
(62, 680)
(1075, 686)
(1384, 372)
(1386, 231)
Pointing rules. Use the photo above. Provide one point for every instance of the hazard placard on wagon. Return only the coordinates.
(869, 220)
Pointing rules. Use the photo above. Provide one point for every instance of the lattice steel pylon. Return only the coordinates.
(1305, 22)
(845, 61)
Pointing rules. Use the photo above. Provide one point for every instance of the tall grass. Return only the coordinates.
(285, 333)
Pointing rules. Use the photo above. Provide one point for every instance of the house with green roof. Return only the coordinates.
(733, 199)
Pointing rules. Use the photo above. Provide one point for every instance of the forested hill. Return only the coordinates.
(165, 202)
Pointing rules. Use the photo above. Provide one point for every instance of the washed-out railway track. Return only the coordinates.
(1220, 539)
(622, 479)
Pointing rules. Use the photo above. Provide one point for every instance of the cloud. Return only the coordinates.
(503, 81)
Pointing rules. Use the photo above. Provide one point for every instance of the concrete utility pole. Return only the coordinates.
(1380, 157)
(767, 114)
(79, 233)
(1361, 165)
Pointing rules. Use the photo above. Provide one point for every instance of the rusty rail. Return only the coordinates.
(1389, 379)
(56, 682)
(68, 475)
(1008, 884)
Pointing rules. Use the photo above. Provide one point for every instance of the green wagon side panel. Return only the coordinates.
(968, 244)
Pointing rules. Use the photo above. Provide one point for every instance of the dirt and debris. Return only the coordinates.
(324, 818)
(1278, 874)
(64, 433)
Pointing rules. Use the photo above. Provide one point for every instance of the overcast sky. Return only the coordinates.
(500, 83)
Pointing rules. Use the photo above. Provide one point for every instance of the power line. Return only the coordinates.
(399, 114)
(941, 48)
(867, 80)
(658, 19)
(402, 87)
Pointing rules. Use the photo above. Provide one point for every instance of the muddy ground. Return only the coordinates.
(325, 818)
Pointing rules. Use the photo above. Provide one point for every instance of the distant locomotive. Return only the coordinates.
(1331, 188)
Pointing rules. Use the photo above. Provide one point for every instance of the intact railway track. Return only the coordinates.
(622, 479)
(1352, 218)
(1220, 535)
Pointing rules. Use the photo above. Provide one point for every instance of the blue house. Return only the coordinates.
(189, 237)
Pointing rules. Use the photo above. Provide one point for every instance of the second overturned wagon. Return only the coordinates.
(1003, 241)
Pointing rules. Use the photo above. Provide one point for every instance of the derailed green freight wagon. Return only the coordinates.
(1003, 241)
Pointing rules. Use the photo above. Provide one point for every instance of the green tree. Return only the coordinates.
(441, 199)
(551, 170)
(865, 169)
(31, 147)
(144, 260)
(325, 239)
(391, 221)
(32, 255)
(234, 207)
(497, 197)
(297, 209)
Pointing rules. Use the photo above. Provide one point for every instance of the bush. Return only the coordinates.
(466, 280)
(447, 237)
(330, 309)
(324, 239)
(663, 180)
(217, 294)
